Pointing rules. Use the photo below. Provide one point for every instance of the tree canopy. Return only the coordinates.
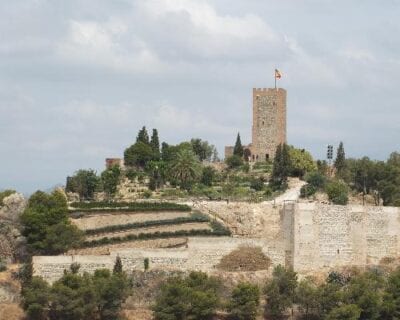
(46, 225)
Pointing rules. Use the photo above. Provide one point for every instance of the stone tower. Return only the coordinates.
(269, 122)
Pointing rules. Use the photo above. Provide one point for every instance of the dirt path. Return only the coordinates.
(291, 194)
(105, 220)
(170, 228)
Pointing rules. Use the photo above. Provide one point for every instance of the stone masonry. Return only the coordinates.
(309, 237)
(269, 124)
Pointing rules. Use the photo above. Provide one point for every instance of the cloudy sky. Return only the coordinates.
(78, 78)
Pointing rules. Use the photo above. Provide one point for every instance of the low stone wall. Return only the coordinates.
(202, 254)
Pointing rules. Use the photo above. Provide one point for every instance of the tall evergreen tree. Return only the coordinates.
(238, 149)
(340, 161)
(143, 136)
(117, 266)
(155, 142)
(282, 166)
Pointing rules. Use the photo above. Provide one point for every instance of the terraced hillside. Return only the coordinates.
(114, 223)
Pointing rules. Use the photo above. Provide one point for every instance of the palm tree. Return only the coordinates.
(185, 168)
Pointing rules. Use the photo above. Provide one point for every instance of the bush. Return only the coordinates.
(195, 297)
(46, 225)
(131, 174)
(234, 161)
(208, 176)
(316, 179)
(337, 192)
(244, 302)
(257, 184)
(147, 194)
(307, 191)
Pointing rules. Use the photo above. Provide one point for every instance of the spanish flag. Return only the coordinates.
(278, 74)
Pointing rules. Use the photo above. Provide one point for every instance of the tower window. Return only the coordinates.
(263, 123)
(266, 156)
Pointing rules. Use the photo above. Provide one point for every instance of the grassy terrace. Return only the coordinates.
(195, 217)
(217, 229)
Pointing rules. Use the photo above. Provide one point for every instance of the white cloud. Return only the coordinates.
(108, 44)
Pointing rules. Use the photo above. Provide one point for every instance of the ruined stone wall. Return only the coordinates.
(269, 122)
(328, 236)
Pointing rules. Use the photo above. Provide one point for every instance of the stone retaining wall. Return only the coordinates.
(201, 254)
(328, 236)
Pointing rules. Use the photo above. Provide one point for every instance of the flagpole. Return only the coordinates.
(275, 78)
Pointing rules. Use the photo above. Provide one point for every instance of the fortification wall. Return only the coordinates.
(307, 236)
(202, 254)
(328, 236)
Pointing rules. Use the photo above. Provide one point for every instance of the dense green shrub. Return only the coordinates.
(244, 302)
(74, 296)
(257, 184)
(84, 182)
(316, 179)
(208, 176)
(307, 190)
(337, 192)
(194, 297)
(234, 161)
(46, 225)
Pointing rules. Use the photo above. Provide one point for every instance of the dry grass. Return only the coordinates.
(245, 259)
(11, 311)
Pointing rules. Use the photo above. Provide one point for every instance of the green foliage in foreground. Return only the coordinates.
(194, 297)
(244, 302)
(74, 296)
(46, 225)
(4, 194)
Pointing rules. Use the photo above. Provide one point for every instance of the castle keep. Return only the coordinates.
(269, 124)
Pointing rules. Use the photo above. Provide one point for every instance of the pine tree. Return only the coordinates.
(155, 142)
(143, 136)
(117, 266)
(340, 161)
(238, 149)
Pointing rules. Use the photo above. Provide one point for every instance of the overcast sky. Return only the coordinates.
(78, 78)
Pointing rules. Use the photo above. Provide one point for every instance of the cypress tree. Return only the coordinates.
(155, 142)
(277, 167)
(340, 161)
(143, 136)
(238, 149)
(117, 266)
